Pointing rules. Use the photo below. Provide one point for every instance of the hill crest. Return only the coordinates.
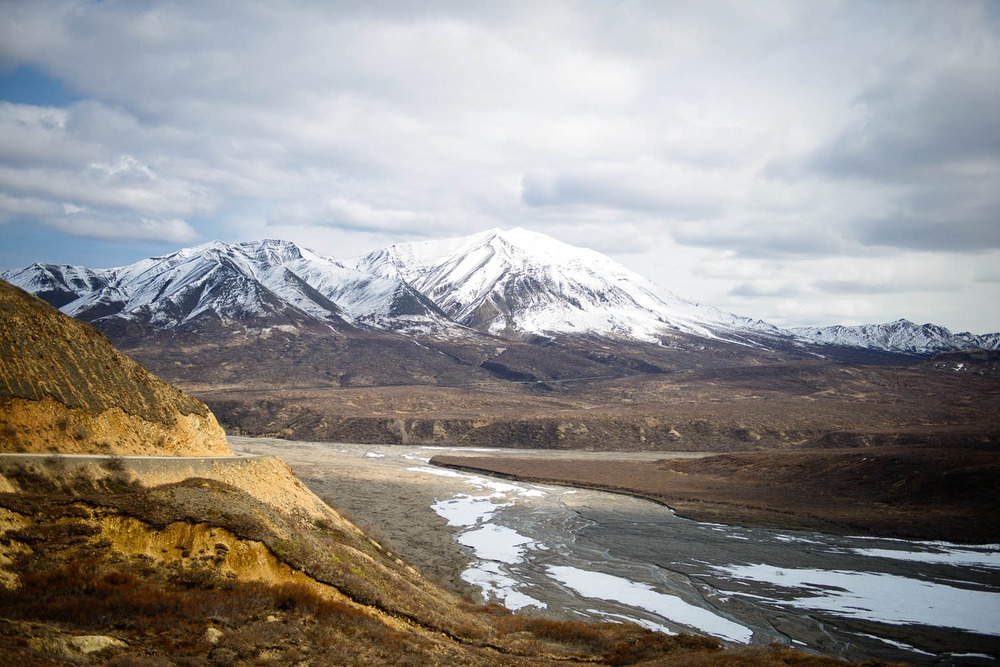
(65, 388)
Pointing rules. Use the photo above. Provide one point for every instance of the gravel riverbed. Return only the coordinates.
(568, 553)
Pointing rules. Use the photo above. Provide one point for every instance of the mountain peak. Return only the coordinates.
(900, 336)
(273, 251)
(519, 235)
(255, 284)
(199, 249)
(521, 283)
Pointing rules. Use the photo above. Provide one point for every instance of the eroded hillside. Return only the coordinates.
(95, 567)
(63, 387)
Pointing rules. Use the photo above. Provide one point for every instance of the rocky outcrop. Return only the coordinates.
(65, 388)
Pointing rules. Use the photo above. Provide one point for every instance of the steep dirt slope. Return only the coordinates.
(63, 387)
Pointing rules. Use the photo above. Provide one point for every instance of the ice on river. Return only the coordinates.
(497, 547)
(496, 543)
(466, 510)
(886, 598)
(493, 545)
(490, 577)
(532, 545)
(670, 607)
(987, 557)
(496, 486)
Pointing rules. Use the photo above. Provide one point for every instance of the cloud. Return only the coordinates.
(976, 231)
(100, 185)
(765, 288)
(34, 135)
(890, 282)
(85, 222)
(741, 134)
(924, 135)
(912, 124)
(773, 238)
(667, 190)
(12, 207)
(860, 286)
(60, 168)
(346, 214)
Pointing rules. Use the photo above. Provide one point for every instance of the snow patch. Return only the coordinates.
(985, 558)
(876, 597)
(670, 607)
(464, 510)
(496, 543)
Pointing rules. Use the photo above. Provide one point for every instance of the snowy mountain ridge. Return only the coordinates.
(261, 283)
(514, 284)
(519, 282)
(901, 336)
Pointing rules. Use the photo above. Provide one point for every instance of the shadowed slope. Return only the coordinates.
(64, 387)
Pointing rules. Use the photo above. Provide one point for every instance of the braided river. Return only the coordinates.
(578, 554)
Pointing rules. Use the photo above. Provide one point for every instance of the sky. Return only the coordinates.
(805, 163)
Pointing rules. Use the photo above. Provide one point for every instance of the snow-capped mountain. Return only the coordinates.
(61, 284)
(517, 282)
(261, 284)
(901, 336)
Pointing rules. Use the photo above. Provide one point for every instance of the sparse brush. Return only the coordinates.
(114, 463)
(56, 463)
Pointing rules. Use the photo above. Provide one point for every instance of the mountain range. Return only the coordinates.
(516, 285)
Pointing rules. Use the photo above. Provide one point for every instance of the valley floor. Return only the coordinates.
(482, 536)
(913, 493)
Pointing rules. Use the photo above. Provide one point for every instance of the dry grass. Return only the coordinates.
(371, 610)
(160, 613)
(166, 612)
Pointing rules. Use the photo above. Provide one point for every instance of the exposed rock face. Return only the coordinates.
(63, 387)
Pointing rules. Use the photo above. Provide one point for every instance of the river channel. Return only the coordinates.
(579, 554)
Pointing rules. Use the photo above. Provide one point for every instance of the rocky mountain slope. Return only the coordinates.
(257, 285)
(901, 336)
(516, 284)
(64, 387)
(521, 283)
(502, 339)
(272, 314)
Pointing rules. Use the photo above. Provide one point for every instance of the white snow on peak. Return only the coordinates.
(505, 282)
(899, 336)
(518, 281)
(47, 278)
(236, 282)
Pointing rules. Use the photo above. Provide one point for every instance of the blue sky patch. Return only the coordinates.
(28, 85)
